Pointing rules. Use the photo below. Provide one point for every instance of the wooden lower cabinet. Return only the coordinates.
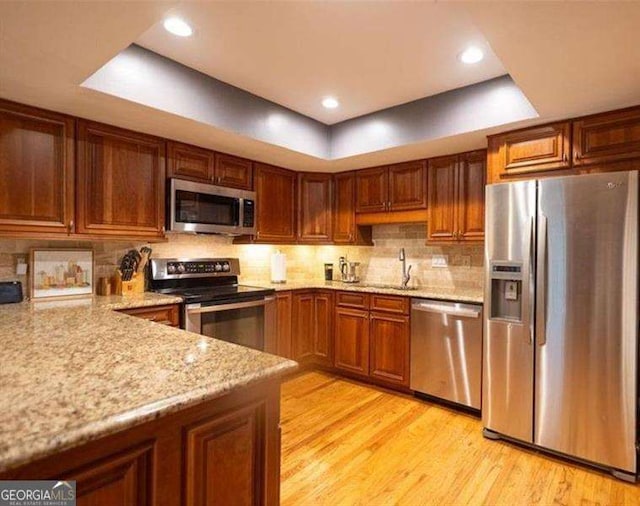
(352, 341)
(222, 451)
(166, 315)
(389, 354)
(312, 325)
(284, 302)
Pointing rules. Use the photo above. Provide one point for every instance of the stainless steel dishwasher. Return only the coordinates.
(446, 350)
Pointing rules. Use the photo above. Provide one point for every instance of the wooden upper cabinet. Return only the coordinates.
(189, 162)
(389, 353)
(352, 341)
(36, 170)
(233, 171)
(607, 138)
(523, 152)
(456, 197)
(276, 204)
(372, 190)
(345, 230)
(315, 202)
(120, 182)
(408, 186)
(472, 173)
(443, 178)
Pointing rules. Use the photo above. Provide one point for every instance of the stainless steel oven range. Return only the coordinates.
(215, 305)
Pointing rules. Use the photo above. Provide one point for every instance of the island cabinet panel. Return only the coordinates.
(284, 301)
(121, 177)
(523, 153)
(605, 138)
(443, 174)
(224, 450)
(389, 360)
(276, 204)
(224, 459)
(372, 190)
(36, 170)
(352, 341)
(472, 178)
(315, 202)
(189, 162)
(303, 326)
(408, 186)
(124, 479)
(233, 171)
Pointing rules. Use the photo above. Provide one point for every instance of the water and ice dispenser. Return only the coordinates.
(506, 291)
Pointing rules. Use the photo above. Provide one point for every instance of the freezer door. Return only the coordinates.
(507, 387)
(586, 321)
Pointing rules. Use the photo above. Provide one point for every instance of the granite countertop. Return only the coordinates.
(74, 373)
(473, 295)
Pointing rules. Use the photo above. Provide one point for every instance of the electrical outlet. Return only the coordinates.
(21, 265)
(465, 260)
(440, 261)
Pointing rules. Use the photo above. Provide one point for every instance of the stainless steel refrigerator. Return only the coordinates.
(560, 358)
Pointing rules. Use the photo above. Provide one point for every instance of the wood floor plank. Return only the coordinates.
(345, 443)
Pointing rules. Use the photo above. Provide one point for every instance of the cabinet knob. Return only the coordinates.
(70, 226)
(564, 157)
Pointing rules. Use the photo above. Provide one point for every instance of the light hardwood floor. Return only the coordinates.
(344, 443)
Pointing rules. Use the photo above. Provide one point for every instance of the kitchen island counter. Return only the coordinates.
(70, 375)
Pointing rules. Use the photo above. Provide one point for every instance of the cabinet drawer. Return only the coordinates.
(390, 304)
(167, 315)
(353, 299)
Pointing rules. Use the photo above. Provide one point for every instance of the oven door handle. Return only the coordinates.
(197, 308)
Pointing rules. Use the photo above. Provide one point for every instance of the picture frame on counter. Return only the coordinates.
(57, 273)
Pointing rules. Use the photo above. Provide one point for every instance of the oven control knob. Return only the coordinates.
(180, 268)
(171, 269)
(218, 267)
(225, 267)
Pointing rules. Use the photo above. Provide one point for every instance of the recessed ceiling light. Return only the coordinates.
(177, 27)
(471, 55)
(330, 103)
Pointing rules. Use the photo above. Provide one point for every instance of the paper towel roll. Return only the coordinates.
(278, 267)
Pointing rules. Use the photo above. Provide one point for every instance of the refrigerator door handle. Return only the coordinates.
(530, 278)
(541, 285)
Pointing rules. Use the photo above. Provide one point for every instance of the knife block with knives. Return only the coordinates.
(130, 278)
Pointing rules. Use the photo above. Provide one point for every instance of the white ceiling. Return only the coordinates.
(369, 55)
(569, 58)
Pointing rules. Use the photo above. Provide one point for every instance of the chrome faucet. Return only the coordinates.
(405, 272)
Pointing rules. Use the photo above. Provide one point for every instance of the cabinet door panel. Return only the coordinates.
(352, 341)
(233, 171)
(372, 190)
(120, 182)
(223, 459)
(442, 225)
(189, 162)
(390, 348)
(344, 218)
(124, 479)
(471, 195)
(323, 323)
(276, 198)
(36, 170)
(606, 138)
(315, 201)
(284, 301)
(408, 186)
(303, 326)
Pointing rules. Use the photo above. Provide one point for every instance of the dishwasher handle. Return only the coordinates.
(445, 309)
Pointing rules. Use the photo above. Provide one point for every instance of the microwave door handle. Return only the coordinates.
(196, 308)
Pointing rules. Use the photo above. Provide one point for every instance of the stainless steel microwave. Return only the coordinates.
(210, 209)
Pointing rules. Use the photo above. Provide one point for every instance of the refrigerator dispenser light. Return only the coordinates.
(506, 286)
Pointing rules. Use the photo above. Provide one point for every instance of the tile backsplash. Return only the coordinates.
(379, 263)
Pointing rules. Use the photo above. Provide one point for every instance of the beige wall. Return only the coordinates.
(304, 263)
